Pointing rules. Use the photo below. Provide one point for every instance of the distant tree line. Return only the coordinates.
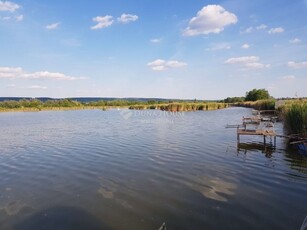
(252, 95)
(36, 103)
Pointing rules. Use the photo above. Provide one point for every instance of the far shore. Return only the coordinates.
(60, 109)
(35, 105)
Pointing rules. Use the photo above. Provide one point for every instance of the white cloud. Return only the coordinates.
(276, 30)
(156, 40)
(238, 60)
(288, 77)
(11, 69)
(19, 18)
(19, 73)
(210, 19)
(295, 41)
(256, 65)
(245, 46)
(247, 30)
(9, 72)
(261, 27)
(53, 26)
(102, 22)
(248, 62)
(11, 86)
(297, 65)
(50, 75)
(8, 6)
(160, 65)
(36, 87)
(220, 46)
(126, 18)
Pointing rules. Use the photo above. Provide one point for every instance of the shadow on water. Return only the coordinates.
(61, 218)
(268, 150)
(296, 159)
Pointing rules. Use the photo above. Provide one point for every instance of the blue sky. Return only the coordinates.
(145, 48)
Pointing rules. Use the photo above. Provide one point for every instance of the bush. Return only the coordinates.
(257, 94)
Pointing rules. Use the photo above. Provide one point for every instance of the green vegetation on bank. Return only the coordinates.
(68, 104)
(259, 99)
(183, 106)
(268, 104)
(294, 114)
(257, 94)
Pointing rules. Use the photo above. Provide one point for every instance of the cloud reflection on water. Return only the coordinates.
(214, 188)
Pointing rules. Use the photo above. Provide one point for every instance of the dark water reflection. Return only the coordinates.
(61, 218)
(136, 170)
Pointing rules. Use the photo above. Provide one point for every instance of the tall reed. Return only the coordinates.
(295, 117)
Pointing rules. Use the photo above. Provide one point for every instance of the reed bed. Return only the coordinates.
(259, 105)
(182, 107)
(37, 109)
(294, 115)
(33, 105)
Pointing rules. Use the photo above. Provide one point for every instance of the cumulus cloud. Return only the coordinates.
(9, 72)
(126, 18)
(276, 30)
(262, 27)
(295, 41)
(19, 73)
(102, 22)
(248, 62)
(297, 65)
(245, 46)
(53, 26)
(160, 65)
(210, 19)
(8, 6)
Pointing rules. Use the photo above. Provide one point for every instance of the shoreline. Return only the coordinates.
(165, 107)
(54, 109)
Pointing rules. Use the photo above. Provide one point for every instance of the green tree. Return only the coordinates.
(257, 94)
(234, 99)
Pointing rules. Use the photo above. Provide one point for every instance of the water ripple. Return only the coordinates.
(138, 172)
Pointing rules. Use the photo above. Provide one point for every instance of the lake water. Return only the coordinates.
(94, 169)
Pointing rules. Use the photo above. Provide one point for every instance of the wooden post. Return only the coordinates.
(238, 135)
(264, 139)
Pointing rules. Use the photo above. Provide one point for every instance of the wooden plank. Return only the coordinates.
(256, 132)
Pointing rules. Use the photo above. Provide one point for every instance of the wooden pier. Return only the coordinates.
(257, 132)
(256, 126)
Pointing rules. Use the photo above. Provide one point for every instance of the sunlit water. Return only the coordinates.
(137, 169)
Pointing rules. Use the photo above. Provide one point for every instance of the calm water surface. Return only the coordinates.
(137, 169)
